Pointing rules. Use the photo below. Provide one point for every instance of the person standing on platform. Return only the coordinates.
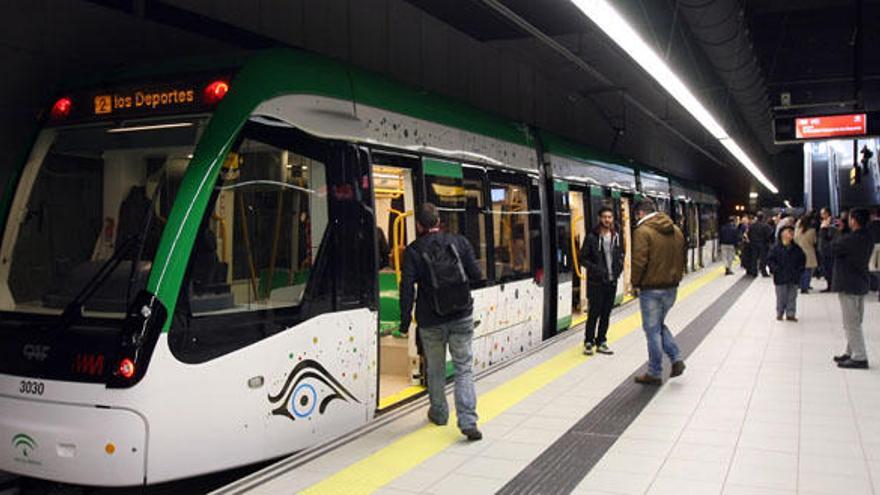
(748, 259)
(874, 232)
(728, 238)
(443, 264)
(602, 255)
(760, 238)
(786, 261)
(827, 232)
(658, 261)
(805, 238)
(852, 251)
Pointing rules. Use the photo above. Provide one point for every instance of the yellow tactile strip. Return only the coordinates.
(397, 458)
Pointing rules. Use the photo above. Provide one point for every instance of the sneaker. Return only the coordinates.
(841, 358)
(649, 379)
(778, 317)
(853, 364)
(604, 349)
(472, 434)
(805, 291)
(588, 349)
(791, 318)
(436, 421)
(677, 368)
(728, 271)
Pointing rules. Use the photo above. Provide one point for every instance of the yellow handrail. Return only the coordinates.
(574, 251)
(382, 192)
(221, 226)
(397, 239)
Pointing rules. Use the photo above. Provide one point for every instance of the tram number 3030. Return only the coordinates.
(29, 387)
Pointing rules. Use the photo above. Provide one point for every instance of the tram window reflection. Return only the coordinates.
(94, 197)
(461, 205)
(262, 238)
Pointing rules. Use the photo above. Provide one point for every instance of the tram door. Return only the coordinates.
(680, 215)
(579, 218)
(694, 234)
(626, 227)
(395, 229)
(619, 204)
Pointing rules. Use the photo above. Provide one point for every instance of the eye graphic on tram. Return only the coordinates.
(308, 387)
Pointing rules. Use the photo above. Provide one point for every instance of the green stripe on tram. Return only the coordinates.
(442, 168)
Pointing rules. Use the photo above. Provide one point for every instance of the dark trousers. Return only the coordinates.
(748, 260)
(600, 298)
(828, 269)
(760, 252)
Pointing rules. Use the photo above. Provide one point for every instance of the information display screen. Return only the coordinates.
(831, 126)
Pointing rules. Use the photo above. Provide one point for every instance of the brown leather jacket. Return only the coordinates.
(658, 257)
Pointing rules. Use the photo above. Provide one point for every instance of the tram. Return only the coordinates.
(199, 270)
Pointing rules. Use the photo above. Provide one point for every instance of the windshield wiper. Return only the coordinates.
(73, 311)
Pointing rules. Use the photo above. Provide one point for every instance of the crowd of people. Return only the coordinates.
(843, 250)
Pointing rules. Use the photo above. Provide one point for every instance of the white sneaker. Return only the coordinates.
(588, 349)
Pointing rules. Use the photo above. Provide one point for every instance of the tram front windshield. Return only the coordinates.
(92, 199)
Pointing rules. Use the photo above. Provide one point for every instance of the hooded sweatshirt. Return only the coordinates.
(658, 258)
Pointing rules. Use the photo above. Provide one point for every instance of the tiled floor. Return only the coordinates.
(760, 410)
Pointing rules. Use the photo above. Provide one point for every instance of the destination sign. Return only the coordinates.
(808, 128)
(146, 100)
(831, 126)
(141, 100)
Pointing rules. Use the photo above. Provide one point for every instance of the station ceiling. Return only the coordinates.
(495, 54)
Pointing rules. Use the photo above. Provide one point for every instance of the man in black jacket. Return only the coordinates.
(437, 331)
(852, 251)
(760, 238)
(728, 238)
(602, 255)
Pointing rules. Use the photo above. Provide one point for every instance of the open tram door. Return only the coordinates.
(622, 206)
(399, 362)
(580, 218)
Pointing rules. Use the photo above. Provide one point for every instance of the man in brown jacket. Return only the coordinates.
(658, 261)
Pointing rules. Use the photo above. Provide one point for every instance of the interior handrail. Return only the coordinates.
(578, 270)
(397, 239)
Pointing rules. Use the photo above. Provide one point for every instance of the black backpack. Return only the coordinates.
(448, 288)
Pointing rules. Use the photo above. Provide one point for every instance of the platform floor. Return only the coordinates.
(761, 409)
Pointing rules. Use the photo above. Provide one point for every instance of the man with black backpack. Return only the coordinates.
(442, 265)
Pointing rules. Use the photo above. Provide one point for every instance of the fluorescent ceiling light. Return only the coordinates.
(155, 127)
(753, 195)
(621, 32)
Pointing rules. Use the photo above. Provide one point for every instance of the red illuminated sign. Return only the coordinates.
(828, 126)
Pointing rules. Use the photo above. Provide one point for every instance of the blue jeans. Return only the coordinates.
(655, 305)
(806, 277)
(459, 335)
(786, 300)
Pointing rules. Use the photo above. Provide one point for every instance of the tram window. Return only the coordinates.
(96, 196)
(510, 223)
(563, 231)
(461, 205)
(265, 230)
